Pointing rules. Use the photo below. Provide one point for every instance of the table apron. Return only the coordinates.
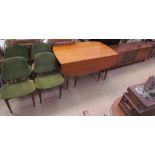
(88, 66)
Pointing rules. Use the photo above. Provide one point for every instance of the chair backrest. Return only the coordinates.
(39, 48)
(44, 62)
(15, 68)
(15, 51)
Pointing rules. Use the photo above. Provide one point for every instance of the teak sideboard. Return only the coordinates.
(132, 52)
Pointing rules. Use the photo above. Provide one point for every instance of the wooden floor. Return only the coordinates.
(96, 97)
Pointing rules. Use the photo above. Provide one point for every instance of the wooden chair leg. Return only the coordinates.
(85, 113)
(60, 90)
(33, 100)
(8, 105)
(64, 86)
(106, 71)
(75, 81)
(40, 96)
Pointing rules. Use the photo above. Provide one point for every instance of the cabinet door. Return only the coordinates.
(129, 57)
(144, 53)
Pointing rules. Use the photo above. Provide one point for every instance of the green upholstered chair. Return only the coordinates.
(39, 48)
(16, 82)
(46, 77)
(15, 51)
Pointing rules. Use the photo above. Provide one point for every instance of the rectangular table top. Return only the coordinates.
(82, 51)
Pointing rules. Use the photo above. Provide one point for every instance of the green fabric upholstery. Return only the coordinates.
(45, 62)
(9, 91)
(39, 48)
(16, 50)
(49, 81)
(15, 68)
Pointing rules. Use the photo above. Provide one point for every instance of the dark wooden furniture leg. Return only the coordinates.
(85, 113)
(63, 86)
(60, 90)
(75, 81)
(67, 82)
(99, 75)
(33, 99)
(8, 105)
(106, 71)
(40, 96)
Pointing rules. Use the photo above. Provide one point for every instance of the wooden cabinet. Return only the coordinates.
(132, 52)
(10, 42)
(144, 53)
(61, 41)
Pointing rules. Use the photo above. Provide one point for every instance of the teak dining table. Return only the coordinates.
(83, 58)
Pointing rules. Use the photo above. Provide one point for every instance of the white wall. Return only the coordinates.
(2, 43)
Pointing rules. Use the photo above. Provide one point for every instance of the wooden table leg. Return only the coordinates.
(99, 75)
(75, 81)
(67, 82)
(60, 90)
(105, 75)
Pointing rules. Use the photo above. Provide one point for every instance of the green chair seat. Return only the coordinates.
(9, 91)
(49, 81)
